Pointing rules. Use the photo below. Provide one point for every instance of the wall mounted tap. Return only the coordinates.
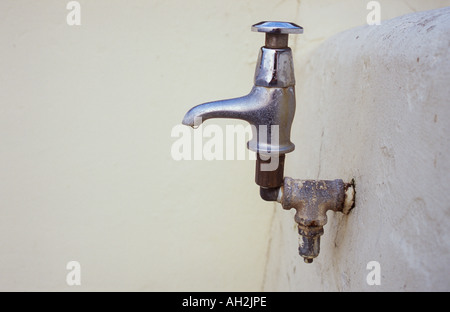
(270, 109)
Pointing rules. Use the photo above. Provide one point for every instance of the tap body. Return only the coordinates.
(269, 108)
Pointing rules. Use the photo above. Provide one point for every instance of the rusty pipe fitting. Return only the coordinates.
(312, 199)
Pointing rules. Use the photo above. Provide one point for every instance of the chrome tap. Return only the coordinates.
(270, 109)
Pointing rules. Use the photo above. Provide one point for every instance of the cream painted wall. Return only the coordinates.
(85, 158)
(375, 107)
(86, 114)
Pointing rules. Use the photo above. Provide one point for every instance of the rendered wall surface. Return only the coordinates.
(374, 106)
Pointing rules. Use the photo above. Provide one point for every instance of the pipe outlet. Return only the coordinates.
(312, 199)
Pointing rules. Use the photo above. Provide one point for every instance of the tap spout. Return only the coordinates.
(229, 108)
(269, 111)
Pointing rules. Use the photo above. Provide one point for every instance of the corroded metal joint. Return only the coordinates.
(312, 199)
